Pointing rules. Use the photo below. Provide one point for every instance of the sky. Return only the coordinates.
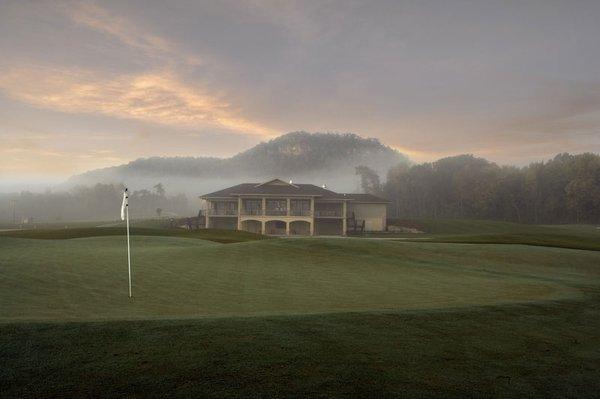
(88, 84)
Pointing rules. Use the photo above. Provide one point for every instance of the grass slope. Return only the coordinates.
(493, 232)
(550, 350)
(464, 226)
(555, 239)
(475, 226)
(222, 236)
(85, 279)
(416, 319)
(156, 223)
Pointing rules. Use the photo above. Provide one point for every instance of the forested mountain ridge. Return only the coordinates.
(291, 154)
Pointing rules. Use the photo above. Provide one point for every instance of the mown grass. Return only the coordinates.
(490, 232)
(56, 225)
(465, 226)
(549, 350)
(493, 232)
(154, 223)
(588, 241)
(308, 317)
(173, 277)
(222, 236)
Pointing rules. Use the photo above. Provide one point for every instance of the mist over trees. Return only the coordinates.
(290, 153)
(320, 158)
(101, 202)
(565, 189)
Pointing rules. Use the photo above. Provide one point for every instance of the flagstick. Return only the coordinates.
(128, 248)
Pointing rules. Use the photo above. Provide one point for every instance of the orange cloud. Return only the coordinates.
(157, 97)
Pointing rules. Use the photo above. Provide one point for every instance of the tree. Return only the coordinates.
(369, 180)
(160, 190)
(565, 189)
(92, 203)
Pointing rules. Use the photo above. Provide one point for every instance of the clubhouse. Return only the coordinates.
(277, 207)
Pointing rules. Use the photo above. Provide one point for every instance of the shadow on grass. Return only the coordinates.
(533, 350)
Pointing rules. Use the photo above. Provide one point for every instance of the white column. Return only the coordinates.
(264, 206)
(239, 213)
(262, 227)
(312, 213)
(288, 206)
(208, 206)
(344, 220)
(287, 226)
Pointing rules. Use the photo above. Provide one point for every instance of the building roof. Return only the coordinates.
(366, 198)
(275, 187)
(280, 187)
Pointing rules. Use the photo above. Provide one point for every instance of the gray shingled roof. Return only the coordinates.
(308, 190)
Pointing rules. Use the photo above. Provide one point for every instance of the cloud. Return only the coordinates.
(559, 107)
(429, 80)
(157, 97)
(125, 31)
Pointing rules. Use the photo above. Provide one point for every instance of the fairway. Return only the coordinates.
(220, 314)
(85, 278)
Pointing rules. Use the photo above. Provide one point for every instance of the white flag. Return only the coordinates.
(124, 204)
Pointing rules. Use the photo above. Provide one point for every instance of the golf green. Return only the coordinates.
(86, 278)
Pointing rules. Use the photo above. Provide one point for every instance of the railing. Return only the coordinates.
(222, 212)
(328, 213)
(251, 212)
(276, 212)
(300, 212)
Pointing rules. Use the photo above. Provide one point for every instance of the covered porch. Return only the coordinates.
(278, 226)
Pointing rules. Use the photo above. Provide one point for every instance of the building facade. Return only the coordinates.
(280, 208)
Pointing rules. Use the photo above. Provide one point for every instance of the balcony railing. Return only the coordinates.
(276, 212)
(328, 213)
(300, 212)
(280, 212)
(271, 212)
(251, 212)
(222, 212)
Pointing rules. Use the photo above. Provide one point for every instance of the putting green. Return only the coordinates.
(86, 279)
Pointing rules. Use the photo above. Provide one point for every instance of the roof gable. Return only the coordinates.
(276, 182)
(276, 188)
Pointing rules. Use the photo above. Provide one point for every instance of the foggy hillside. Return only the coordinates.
(319, 158)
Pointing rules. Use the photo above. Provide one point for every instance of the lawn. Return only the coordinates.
(85, 279)
(295, 317)
(494, 232)
(548, 350)
(222, 236)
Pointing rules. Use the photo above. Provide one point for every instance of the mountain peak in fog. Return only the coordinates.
(297, 155)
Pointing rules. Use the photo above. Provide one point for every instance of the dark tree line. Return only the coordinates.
(98, 202)
(565, 189)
